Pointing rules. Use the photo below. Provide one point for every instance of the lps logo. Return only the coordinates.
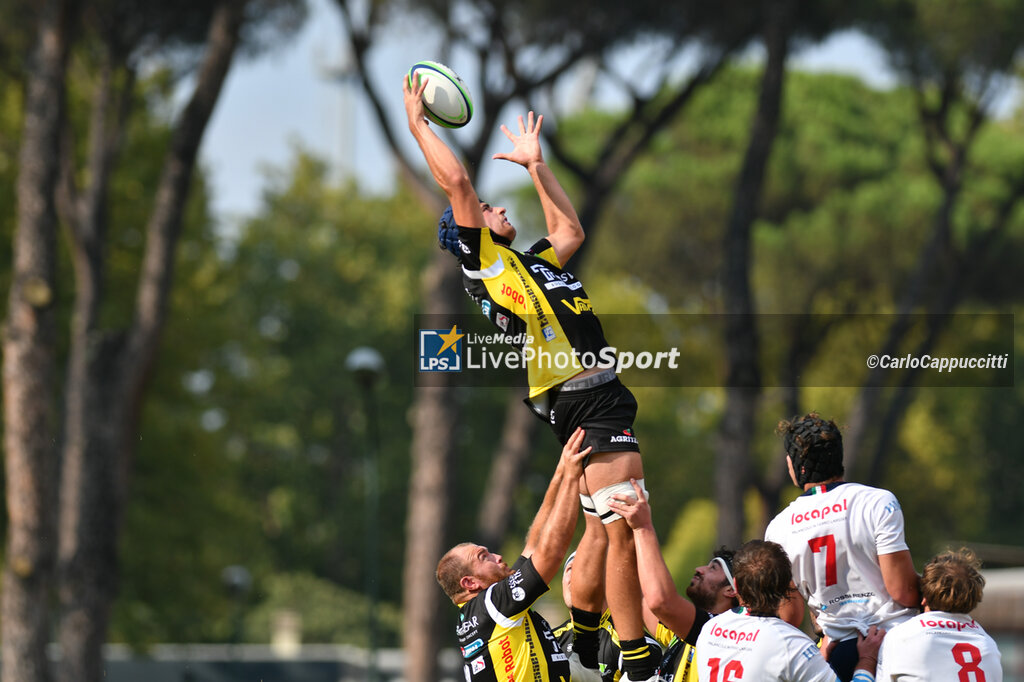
(440, 350)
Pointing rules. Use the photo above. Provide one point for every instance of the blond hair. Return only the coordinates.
(953, 582)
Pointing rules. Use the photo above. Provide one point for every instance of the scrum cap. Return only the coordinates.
(448, 232)
(815, 446)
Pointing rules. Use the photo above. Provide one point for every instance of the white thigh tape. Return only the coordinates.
(602, 496)
(587, 502)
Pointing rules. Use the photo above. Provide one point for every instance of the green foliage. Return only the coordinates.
(320, 272)
(933, 39)
(847, 208)
(255, 438)
(327, 613)
(690, 541)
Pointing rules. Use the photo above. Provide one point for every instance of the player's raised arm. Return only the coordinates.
(553, 527)
(564, 229)
(448, 171)
(659, 589)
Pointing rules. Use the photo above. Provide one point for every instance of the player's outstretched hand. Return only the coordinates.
(572, 456)
(413, 97)
(634, 508)
(526, 145)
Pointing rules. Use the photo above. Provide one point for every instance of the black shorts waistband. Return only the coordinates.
(589, 381)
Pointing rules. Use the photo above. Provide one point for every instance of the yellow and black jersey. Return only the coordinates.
(503, 639)
(678, 664)
(529, 295)
(608, 650)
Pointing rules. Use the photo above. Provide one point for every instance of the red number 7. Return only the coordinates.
(828, 543)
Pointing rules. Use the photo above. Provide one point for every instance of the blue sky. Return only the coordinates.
(287, 98)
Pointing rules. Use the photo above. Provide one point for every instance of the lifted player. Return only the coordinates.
(529, 291)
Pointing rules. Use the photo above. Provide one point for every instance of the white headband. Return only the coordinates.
(725, 569)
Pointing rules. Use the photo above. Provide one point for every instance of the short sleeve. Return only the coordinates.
(889, 532)
(543, 249)
(512, 596)
(808, 665)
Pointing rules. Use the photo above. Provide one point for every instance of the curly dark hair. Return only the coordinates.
(727, 555)
(815, 446)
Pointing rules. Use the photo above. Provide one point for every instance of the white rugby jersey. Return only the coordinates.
(736, 647)
(939, 647)
(834, 534)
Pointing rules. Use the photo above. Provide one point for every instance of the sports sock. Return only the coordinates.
(585, 625)
(637, 659)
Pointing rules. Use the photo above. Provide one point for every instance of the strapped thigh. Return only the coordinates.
(602, 496)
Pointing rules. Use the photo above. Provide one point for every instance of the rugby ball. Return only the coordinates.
(446, 99)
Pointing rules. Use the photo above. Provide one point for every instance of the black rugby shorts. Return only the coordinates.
(606, 412)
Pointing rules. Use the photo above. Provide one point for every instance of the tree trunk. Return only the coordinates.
(435, 417)
(743, 380)
(509, 462)
(29, 368)
(108, 372)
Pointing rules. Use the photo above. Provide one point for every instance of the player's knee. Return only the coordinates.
(605, 494)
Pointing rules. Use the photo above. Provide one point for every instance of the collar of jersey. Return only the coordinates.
(823, 488)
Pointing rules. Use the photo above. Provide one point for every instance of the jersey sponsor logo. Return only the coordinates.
(559, 657)
(463, 629)
(501, 320)
(578, 305)
(516, 579)
(558, 284)
(734, 635)
(465, 249)
(818, 514)
(478, 665)
(507, 660)
(948, 624)
(810, 652)
(855, 598)
(472, 648)
(549, 333)
(553, 281)
(518, 593)
(515, 296)
(485, 307)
